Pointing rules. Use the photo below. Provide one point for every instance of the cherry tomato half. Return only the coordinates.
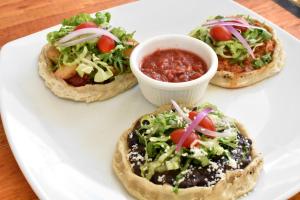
(177, 134)
(106, 44)
(86, 25)
(205, 123)
(220, 33)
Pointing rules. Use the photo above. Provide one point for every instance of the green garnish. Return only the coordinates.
(259, 62)
(86, 56)
(232, 49)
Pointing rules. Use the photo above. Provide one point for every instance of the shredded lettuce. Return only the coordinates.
(52, 37)
(154, 133)
(231, 49)
(254, 36)
(160, 124)
(202, 34)
(100, 19)
(153, 148)
(200, 155)
(259, 62)
(230, 141)
(149, 168)
(173, 163)
(122, 34)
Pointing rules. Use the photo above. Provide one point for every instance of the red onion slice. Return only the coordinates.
(241, 39)
(235, 19)
(84, 31)
(200, 116)
(234, 24)
(206, 131)
(80, 40)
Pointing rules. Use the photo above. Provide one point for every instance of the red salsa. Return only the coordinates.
(173, 65)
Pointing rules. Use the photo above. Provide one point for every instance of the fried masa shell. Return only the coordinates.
(233, 185)
(87, 93)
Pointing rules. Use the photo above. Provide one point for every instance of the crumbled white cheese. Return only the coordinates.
(130, 135)
(161, 178)
(210, 183)
(214, 165)
(135, 156)
(179, 119)
(134, 147)
(131, 153)
(219, 174)
(186, 110)
(232, 163)
(198, 152)
(184, 154)
(235, 151)
(139, 158)
(191, 167)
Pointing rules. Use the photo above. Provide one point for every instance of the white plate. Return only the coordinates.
(65, 148)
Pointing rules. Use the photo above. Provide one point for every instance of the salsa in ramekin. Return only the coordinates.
(173, 65)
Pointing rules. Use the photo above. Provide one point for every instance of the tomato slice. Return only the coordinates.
(86, 25)
(220, 33)
(205, 123)
(106, 44)
(177, 134)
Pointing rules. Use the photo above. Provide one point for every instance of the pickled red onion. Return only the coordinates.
(234, 24)
(92, 32)
(235, 19)
(80, 40)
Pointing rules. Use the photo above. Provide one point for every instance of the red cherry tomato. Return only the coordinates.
(86, 25)
(205, 123)
(106, 44)
(177, 134)
(220, 33)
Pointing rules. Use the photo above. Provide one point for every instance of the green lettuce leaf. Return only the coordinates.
(99, 19)
(259, 62)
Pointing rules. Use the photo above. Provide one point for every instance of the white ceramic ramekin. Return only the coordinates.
(159, 92)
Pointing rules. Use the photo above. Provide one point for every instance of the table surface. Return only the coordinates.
(19, 18)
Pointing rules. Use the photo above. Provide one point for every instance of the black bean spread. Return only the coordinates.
(202, 165)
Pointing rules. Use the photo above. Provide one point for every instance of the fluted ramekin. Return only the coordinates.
(159, 92)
